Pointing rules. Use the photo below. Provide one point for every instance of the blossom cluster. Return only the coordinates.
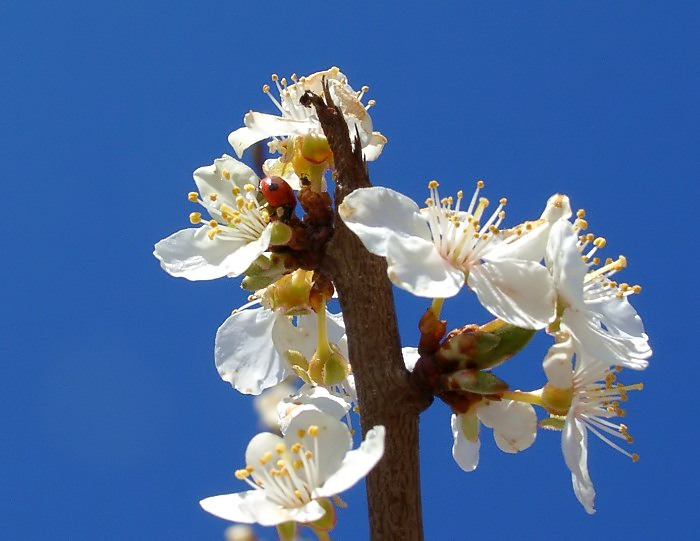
(288, 349)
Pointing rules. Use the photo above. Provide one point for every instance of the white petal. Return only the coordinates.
(574, 443)
(558, 208)
(244, 256)
(275, 167)
(618, 315)
(211, 180)
(333, 440)
(557, 365)
(373, 149)
(564, 262)
(410, 357)
(603, 346)
(272, 125)
(514, 424)
(518, 292)
(356, 464)
(245, 354)
(191, 254)
(415, 265)
(465, 452)
(243, 138)
(309, 398)
(307, 513)
(377, 215)
(240, 507)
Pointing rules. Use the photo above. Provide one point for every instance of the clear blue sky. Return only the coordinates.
(114, 422)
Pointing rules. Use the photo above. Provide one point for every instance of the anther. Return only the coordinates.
(265, 458)
(266, 88)
(195, 217)
(226, 174)
(480, 184)
(213, 196)
(193, 197)
(433, 184)
(313, 430)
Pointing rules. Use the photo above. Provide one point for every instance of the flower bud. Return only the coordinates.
(474, 381)
(328, 368)
(481, 348)
(290, 293)
(281, 234)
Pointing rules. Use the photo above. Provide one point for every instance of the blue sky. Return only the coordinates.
(114, 422)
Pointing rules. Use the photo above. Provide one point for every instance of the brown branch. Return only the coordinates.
(386, 393)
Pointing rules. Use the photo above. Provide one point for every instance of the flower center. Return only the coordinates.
(598, 284)
(289, 475)
(459, 235)
(244, 221)
(599, 402)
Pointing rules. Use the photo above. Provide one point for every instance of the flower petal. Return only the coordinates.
(308, 398)
(603, 346)
(377, 215)
(518, 292)
(514, 424)
(307, 512)
(564, 262)
(464, 451)
(333, 440)
(191, 254)
(574, 443)
(373, 149)
(356, 464)
(245, 354)
(239, 507)
(212, 179)
(410, 357)
(415, 265)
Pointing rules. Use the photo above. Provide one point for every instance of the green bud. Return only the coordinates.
(253, 283)
(329, 368)
(281, 234)
(484, 347)
(474, 381)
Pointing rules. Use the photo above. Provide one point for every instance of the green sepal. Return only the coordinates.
(328, 521)
(474, 381)
(287, 531)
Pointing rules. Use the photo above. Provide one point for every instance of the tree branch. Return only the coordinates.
(386, 393)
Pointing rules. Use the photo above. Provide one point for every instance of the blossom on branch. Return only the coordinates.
(433, 252)
(290, 474)
(238, 232)
(581, 398)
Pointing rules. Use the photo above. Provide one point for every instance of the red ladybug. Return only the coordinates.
(278, 193)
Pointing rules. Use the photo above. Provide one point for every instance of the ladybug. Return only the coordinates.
(278, 193)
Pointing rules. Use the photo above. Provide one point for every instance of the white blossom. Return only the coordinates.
(289, 474)
(433, 252)
(592, 307)
(238, 232)
(583, 398)
(514, 427)
(296, 120)
(251, 345)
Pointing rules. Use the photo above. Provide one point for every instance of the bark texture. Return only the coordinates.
(386, 392)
